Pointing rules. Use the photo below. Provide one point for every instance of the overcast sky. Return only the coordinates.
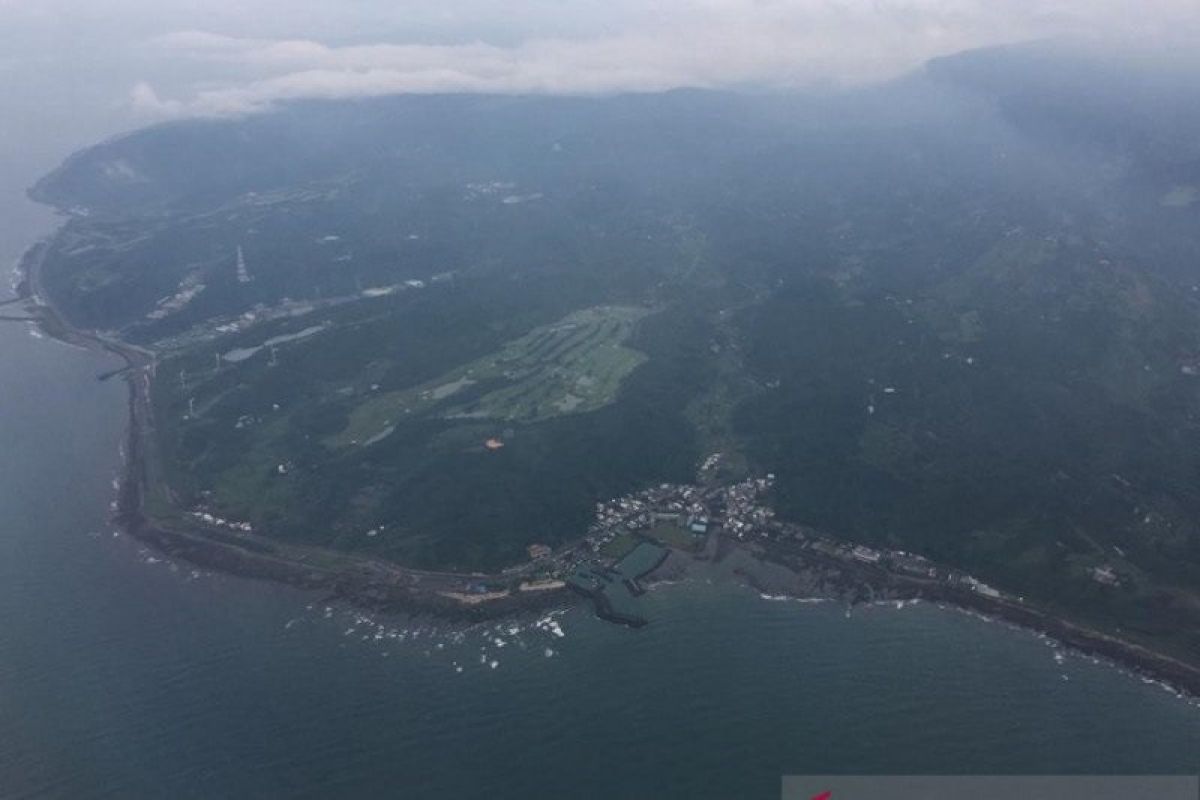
(72, 71)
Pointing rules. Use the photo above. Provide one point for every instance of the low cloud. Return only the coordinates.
(687, 43)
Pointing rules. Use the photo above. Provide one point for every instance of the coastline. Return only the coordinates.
(385, 587)
(864, 585)
(366, 583)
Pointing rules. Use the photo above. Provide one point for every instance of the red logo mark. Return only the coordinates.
(822, 796)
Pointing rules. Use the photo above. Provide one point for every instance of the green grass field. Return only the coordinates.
(620, 546)
(572, 366)
(671, 534)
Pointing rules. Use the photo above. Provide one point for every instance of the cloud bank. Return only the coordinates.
(630, 47)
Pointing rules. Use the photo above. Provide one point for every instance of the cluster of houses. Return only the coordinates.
(667, 502)
(743, 515)
(221, 522)
(896, 561)
(737, 510)
(734, 508)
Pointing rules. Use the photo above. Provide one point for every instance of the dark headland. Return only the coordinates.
(794, 562)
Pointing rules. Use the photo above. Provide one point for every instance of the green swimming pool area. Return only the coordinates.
(615, 590)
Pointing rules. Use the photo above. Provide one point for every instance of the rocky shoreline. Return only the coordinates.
(771, 574)
(365, 583)
(383, 587)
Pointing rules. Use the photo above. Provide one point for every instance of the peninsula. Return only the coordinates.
(467, 373)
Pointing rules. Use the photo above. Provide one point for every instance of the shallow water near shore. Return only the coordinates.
(125, 675)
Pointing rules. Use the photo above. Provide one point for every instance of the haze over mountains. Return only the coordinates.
(957, 313)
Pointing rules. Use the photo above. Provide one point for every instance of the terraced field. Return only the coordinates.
(570, 367)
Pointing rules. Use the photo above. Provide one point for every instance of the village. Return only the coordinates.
(643, 527)
(631, 536)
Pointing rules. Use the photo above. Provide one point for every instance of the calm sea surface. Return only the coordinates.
(125, 676)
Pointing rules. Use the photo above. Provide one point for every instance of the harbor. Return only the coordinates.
(615, 590)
